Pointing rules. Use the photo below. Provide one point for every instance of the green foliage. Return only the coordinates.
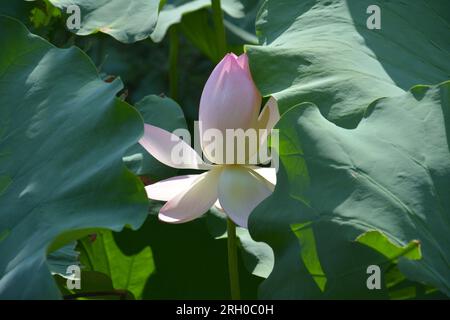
(135, 20)
(380, 186)
(162, 261)
(43, 15)
(126, 21)
(323, 52)
(100, 253)
(173, 11)
(63, 134)
(364, 149)
(342, 192)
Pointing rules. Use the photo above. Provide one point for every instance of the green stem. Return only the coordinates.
(173, 61)
(232, 260)
(220, 28)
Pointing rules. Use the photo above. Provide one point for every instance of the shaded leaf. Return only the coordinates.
(127, 21)
(173, 11)
(127, 272)
(63, 134)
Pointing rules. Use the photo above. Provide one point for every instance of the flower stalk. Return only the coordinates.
(232, 260)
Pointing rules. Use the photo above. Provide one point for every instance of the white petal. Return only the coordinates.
(267, 120)
(240, 191)
(270, 115)
(270, 174)
(195, 201)
(218, 205)
(161, 144)
(167, 189)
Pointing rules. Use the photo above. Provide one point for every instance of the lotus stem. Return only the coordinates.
(233, 260)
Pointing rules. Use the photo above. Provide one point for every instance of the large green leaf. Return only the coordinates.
(127, 21)
(173, 11)
(198, 27)
(321, 51)
(350, 198)
(62, 137)
(134, 20)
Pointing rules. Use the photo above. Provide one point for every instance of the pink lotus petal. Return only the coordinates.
(243, 63)
(195, 201)
(160, 144)
(240, 191)
(230, 99)
(167, 189)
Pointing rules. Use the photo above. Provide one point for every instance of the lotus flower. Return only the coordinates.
(230, 100)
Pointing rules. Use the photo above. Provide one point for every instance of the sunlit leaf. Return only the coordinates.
(323, 52)
(374, 195)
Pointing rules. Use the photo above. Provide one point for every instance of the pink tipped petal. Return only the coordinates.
(270, 115)
(161, 143)
(240, 191)
(167, 189)
(195, 201)
(243, 63)
(270, 174)
(230, 99)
